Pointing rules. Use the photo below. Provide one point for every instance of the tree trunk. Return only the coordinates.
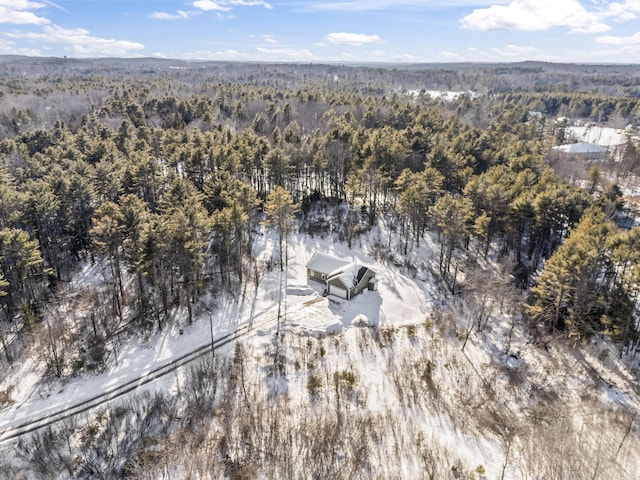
(5, 346)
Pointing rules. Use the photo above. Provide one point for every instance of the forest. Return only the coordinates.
(167, 173)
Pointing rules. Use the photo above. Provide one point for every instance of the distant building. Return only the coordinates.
(340, 277)
(589, 152)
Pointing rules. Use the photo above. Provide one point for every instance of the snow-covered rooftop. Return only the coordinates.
(603, 136)
(348, 274)
(581, 148)
(325, 263)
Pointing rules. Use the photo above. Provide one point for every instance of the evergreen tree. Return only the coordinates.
(21, 268)
(187, 225)
(108, 234)
(280, 211)
(418, 194)
(571, 290)
(453, 216)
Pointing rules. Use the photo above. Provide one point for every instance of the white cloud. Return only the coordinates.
(404, 58)
(623, 41)
(536, 15)
(349, 57)
(515, 53)
(367, 5)
(251, 3)
(7, 47)
(227, 5)
(624, 11)
(179, 15)
(229, 54)
(285, 54)
(352, 39)
(79, 41)
(270, 39)
(208, 5)
(451, 57)
(18, 12)
(261, 54)
(508, 53)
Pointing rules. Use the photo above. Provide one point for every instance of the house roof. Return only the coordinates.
(326, 264)
(581, 148)
(349, 275)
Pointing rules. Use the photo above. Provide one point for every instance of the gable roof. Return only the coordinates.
(326, 264)
(349, 275)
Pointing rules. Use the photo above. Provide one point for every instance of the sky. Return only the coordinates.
(335, 31)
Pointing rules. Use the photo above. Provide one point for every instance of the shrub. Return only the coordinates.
(5, 397)
(314, 384)
(425, 369)
(388, 335)
(412, 332)
(346, 377)
(77, 364)
(428, 323)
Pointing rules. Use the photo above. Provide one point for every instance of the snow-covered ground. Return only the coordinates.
(603, 136)
(399, 301)
(416, 327)
(446, 95)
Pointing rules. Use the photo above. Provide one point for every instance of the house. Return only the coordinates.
(582, 151)
(340, 277)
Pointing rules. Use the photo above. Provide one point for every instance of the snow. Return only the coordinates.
(325, 263)
(405, 304)
(134, 359)
(445, 95)
(300, 290)
(581, 148)
(398, 301)
(348, 275)
(603, 136)
(332, 267)
(315, 319)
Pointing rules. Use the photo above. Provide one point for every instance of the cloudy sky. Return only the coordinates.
(326, 30)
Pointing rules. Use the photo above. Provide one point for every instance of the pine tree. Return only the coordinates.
(571, 289)
(418, 194)
(280, 210)
(108, 235)
(187, 227)
(135, 216)
(21, 269)
(625, 257)
(454, 219)
(3, 339)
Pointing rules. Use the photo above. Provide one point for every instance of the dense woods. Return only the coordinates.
(165, 176)
(164, 183)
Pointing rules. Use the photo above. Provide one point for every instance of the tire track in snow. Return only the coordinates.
(11, 432)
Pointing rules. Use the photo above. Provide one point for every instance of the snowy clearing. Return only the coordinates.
(377, 343)
(603, 136)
